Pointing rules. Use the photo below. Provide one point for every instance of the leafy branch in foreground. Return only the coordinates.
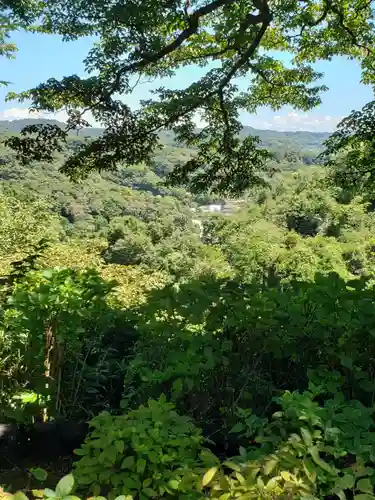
(350, 151)
(154, 39)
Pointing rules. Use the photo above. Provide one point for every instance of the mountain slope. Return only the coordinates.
(15, 126)
(298, 140)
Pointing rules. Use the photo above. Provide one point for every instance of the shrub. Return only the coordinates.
(63, 491)
(214, 345)
(306, 451)
(148, 452)
(51, 342)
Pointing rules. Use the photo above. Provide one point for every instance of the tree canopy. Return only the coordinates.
(350, 152)
(238, 42)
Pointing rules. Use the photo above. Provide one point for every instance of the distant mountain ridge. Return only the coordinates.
(15, 126)
(301, 140)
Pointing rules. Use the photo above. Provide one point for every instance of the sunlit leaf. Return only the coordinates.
(209, 475)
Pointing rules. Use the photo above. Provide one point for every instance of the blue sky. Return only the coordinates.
(41, 57)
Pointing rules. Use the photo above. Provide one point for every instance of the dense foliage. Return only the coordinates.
(223, 355)
(231, 353)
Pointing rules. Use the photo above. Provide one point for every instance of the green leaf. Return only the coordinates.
(209, 458)
(346, 482)
(270, 465)
(278, 414)
(243, 452)
(347, 362)
(79, 452)
(177, 388)
(120, 445)
(65, 486)
(310, 469)
(272, 483)
(38, 493)
(340, 494)
(48, 273)
(141, 465)
(240, 478)
(208, 477)
(173, 483)
(364, 496)
(306, 436)
(224, 483)
(20, 496)
(128, 463)
(49, 493)
(153, 457)
(319, 461)
(149, 492)
(260, 482)
(365, 485)
(39, 474)
(239, 427)
(96, 489)
(232, 465)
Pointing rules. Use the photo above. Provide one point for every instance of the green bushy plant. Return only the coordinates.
(63, 491)
(214, 344)
(317, 446)
(148, 452)
(306, 450)
(51, 339)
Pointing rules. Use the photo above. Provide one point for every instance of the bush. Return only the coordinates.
(307, 450)
(148, 452)
(63, 491)
(52, 336)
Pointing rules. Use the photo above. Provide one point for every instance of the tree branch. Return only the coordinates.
(224, 113)
(193, 25)
(267, 18)
(352, 35)
(320, 18)
(263, 75)
(364, 6)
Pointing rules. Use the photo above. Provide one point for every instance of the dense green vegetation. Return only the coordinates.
(223, 355)
(238, 354)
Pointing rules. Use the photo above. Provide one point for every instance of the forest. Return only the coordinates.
(151, 348)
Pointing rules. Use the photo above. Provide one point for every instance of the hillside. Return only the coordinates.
(137, 190)
(300, 140)
(15, 126)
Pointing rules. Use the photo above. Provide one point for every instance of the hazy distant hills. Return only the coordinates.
(299, 140)
(15, 126)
